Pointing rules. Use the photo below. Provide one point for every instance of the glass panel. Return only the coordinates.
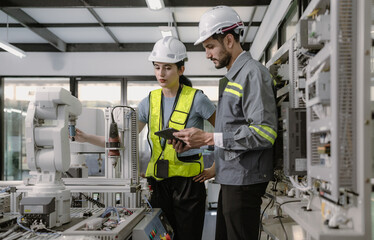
(289, 27)
(272, 49)
(98, 94)
(17, 94)
(136, 91)
(372, 81)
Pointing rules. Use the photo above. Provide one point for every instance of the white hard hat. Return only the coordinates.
(168, 50)
(218, 20)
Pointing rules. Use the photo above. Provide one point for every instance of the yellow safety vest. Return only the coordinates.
(178, 121)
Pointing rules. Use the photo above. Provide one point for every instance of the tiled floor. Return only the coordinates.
(210, 226)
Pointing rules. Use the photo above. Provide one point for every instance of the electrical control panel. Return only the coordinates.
(154, 226)
(322, 91)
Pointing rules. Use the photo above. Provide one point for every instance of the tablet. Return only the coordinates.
(167, 133)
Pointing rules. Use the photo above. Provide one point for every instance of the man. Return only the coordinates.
(246, 126)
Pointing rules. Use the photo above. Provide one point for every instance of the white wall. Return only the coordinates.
(95, 64)
(273, 17)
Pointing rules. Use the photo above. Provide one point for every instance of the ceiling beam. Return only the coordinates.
(25, 20)
(175, 23)
(100, 21)
(126, 3)
(105, 47)
(115, 24)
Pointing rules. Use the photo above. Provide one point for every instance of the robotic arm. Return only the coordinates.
(48, 146)
(48, 155)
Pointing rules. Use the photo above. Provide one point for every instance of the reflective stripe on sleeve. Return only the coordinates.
(233, 92)
(265, 132)
(235, 85)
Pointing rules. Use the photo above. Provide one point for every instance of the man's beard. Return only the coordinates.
(225, 60)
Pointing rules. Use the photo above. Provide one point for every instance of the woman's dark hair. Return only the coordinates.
(183, 79)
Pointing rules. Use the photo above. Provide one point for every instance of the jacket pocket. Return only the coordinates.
(230, 155)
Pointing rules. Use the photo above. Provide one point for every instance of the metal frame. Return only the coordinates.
(14, 8)
(28, 22)
(2, 162)
(127, 3)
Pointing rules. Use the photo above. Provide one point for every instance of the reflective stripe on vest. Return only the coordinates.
(178, 121)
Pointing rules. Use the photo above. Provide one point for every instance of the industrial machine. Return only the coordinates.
(45, 200)
(323, 79)
(138, 223)
(47, 142)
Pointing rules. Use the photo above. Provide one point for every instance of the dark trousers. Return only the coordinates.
(183, 202)
(238, 212)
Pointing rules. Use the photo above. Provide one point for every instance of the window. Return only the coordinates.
(17, 94)
(98, 93)
(272, 48)
(93, 93)
(136, 91)
(288, 28)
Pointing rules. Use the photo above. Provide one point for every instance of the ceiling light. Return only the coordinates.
(155, 4)
(168, 31)
(9, 47)
(12, 49)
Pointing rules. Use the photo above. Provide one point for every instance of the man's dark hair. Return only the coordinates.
(221, 36)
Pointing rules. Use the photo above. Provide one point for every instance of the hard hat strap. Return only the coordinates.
(238, 24)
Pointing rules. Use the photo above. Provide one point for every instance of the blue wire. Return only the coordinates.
(110, 209)
(5, 189)
(150, 206)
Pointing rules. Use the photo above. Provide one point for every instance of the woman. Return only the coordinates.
(176, 179)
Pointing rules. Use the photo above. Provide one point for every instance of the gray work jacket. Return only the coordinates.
(247, 118)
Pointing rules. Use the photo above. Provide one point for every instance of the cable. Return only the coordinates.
(122, 106)
(280, 220)
(5, 189)
(291, 201)
(150, 206)
(127, 210)
(90, 199)
(279, 216)
(298, 186)
(32, 231)
(111, 209)
(261, 216)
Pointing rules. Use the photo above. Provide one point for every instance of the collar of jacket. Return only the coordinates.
(238, 64)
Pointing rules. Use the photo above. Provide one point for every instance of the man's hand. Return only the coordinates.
(194, 138)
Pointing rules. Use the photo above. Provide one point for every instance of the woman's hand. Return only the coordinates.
(206, 174)
(178, 145)
(80, 136)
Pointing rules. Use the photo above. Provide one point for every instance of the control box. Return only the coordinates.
(153, 226)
